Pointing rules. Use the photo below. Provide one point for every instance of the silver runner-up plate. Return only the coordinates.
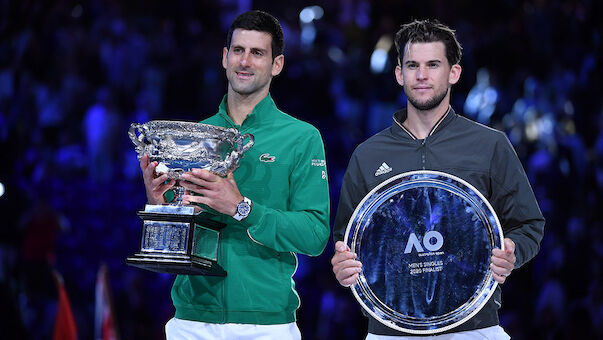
(425, 239)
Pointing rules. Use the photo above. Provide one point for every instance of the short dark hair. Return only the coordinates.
(262, 22)
(425, 31)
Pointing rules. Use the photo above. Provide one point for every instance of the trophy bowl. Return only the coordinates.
(176, 239)
(425, 240)
(181, 146)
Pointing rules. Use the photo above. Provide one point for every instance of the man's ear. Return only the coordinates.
(399, 76)
(277, 65)
(455, 74)
(224, 57)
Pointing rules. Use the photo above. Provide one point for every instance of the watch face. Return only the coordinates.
(243, 208)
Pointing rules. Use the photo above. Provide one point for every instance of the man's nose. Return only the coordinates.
(422, 72)
(244, 58)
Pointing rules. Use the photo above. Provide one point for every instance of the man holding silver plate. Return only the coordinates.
(436, 210)
(274, 205)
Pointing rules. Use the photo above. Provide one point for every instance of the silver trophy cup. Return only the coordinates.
(175, 239)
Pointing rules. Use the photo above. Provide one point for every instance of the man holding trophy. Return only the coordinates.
(274, 205)
(431, 154)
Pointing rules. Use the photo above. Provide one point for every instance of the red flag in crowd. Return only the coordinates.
(64, 326)
(104, 321)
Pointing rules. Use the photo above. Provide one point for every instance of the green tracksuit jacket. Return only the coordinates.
(285, 176)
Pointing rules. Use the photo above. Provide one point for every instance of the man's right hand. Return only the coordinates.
(155, 186)
(345, 266)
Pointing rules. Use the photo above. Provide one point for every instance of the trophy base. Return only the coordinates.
(178, 265)
(176, 241)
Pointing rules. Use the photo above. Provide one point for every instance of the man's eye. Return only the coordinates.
(258, 53)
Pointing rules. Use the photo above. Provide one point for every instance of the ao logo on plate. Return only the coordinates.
(432, 241)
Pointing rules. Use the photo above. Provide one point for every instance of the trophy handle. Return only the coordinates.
(139, 144)
(231, 161)
(249, 143)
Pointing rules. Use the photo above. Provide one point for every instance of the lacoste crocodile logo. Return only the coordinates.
(265, 157)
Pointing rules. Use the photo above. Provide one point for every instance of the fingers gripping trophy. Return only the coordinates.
(177, 238)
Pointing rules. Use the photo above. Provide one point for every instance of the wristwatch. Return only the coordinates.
(243, 209)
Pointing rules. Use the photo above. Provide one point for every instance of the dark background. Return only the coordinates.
(75, 74)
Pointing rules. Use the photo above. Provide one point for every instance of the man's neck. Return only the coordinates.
(240, 106)
(421, 122)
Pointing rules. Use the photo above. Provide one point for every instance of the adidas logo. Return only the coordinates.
(383, 169)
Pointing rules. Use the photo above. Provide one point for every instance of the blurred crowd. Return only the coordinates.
(75, 74)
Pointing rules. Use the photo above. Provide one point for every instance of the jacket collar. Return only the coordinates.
(261, 110)
(400, 116)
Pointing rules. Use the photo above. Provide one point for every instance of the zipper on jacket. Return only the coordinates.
(223, 284)
(423, 153)
(431, 132)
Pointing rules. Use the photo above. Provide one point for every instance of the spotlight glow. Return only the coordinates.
(379, 57)
(309, 14)
(306, 15)
(378, 61)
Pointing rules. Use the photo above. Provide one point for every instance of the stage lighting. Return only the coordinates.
(335, 54)
(378, 60)
(308, 14)
(380, 54)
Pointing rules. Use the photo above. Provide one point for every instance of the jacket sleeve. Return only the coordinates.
(514, 201)
(304, 226)
(353, 190)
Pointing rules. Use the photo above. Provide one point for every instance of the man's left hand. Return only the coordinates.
(503, 261)
(218, 193)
